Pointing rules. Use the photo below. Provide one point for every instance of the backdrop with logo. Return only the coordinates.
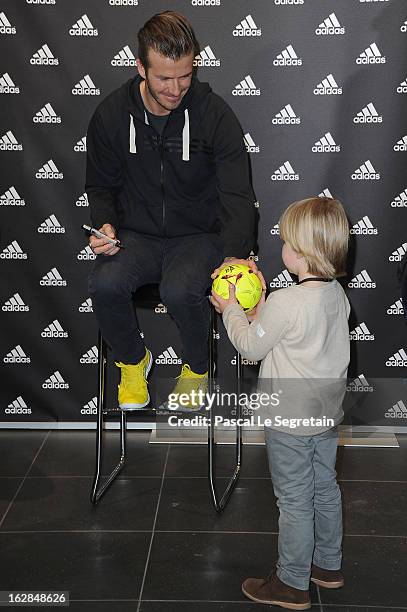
(320, 89)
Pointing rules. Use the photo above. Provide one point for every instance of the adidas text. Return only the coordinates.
(205, 2)
(123, 2)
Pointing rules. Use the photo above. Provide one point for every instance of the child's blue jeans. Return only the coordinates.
(309, 499)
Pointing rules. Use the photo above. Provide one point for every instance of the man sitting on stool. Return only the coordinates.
(167, 174)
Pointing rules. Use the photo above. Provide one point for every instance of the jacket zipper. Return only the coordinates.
(162, 181)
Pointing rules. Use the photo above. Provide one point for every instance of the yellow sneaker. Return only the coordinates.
(133, 392)
(190, 391)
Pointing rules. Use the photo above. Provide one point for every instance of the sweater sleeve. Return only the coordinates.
(238, 214)
(254, 340)
(104, 174)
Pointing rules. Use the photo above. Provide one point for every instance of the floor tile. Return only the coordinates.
(192, 460)
(103, 606)
(177, 606)
(372, 463)
(370, 508)
(375, 573)
(186, 505)
(64, 504)
(73, 453)
(88, 565)
(8, 487)
(18, 449)
(207, 566)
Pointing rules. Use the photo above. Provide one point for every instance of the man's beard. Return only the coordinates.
(154, 95)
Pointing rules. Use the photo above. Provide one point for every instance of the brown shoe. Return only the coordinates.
(330, 579)
(274, 592)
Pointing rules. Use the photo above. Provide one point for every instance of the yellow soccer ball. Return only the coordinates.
(247, 283)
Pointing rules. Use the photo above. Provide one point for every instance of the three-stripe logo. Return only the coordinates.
(91, 356)
(326, 144)
(83, 27)
(285, 173)
(246, 87)
(51, 225)
(15, 304)
(13, 251)
(362, 281)
(328, 87)
(365, 172)
(54, 330)
(5, 25)
(44, 57)
(206, 58)
(399, 359)
(287, 57)
(55, 381)
(397, 411)
(363, 227)
(85, 87)
(361, 332)
(169, 356)
(17, 355)
(49, 171)
(282, 280)
(52, 279)
(399, 253)
(8, 142)
(247, 27)
(368, 114)
(11, 198)
(125, 57)
(371, 55)
(330, 25)
(46, 115)
(286, 116)
(18, 406)
(7, 86)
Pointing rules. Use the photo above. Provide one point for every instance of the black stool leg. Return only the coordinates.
(220, 504)
(98, 491)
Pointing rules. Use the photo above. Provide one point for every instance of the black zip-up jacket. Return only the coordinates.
(193, 179)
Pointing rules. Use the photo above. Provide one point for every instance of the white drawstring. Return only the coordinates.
(185, 137)
(132, 136)
(146, 121)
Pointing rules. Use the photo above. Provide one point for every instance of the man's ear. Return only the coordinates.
(140, 68)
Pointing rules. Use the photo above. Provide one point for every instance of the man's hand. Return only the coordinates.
(228, 261)
(100, 246)
(220, 303)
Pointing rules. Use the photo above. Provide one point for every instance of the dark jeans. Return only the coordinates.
(181, 266)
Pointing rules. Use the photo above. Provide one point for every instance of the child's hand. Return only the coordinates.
(254, 313)
(218, 301)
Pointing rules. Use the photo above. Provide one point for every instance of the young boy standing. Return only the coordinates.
(301, 333)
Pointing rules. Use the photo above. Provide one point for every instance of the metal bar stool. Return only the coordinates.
(149, 296)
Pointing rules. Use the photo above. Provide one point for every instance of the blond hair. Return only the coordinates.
(318, 230)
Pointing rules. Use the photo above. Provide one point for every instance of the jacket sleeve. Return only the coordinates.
(254, 340)
(237, 214)
(104, 174)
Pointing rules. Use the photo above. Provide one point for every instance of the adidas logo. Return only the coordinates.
(55, 381)
(86, 254)
(15, 304)
(396, 309)
(86, 306)
(52, 279)
(206, 58)
(280, 2)
(54, 330)
(401, 145)
(365, 172)
(368, 114)
(91, 356)
(402, 88)
(85, 87)
(256, 204)
(7, 86)
(246, 27)
(327, 87)
(44, 57)
(91, 407)
(125, 57)
(360, 384)
(246, 88)
(40, 1)
(82, 200)
(275, 230)
(326, 144)
(286, 116)
(16, 355)
(205, 2)
(5, 25)
(399, 359)
(397, 411)
(330, 25)
(18, 406)
(362, 281)
(123, 2)
(51, 226)
(46, 115)
(361, 332)
(371, 55)
(251, 146)
(8, 142)
(83, 27)
(168, 356)
(363, 227)
(160, 309)
(11, 198)
(287, 57)
(253, 257)
(80, 145)
(49, 171)
(13, 251)
(243, 361)
(373, 0)
(282, 280)
(325, 194)
(400, 201)
(403, 27)
(285, 173)
(399, 253)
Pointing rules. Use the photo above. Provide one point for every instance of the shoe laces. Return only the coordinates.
(132, 375)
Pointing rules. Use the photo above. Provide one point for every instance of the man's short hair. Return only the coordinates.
(168, 33)
(318, 230)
